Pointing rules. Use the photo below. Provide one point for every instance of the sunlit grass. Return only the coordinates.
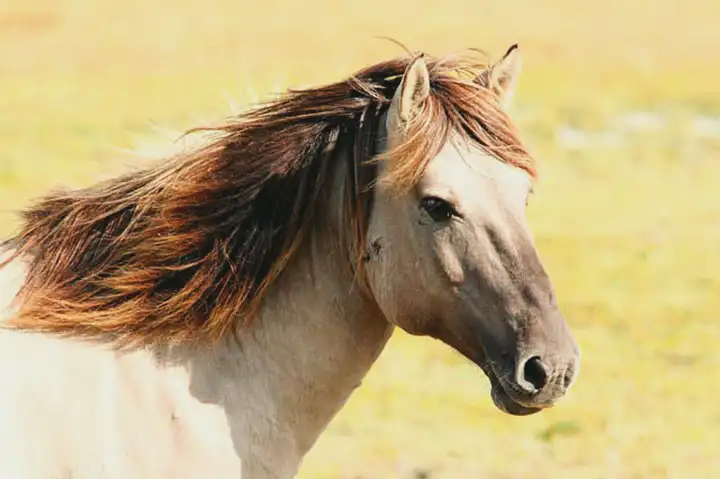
(629, 233)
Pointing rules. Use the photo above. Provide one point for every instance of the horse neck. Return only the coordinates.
(292, 369)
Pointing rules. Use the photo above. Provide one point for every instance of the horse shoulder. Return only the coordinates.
(79, 410)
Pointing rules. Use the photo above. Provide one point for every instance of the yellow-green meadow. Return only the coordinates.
(618, 100)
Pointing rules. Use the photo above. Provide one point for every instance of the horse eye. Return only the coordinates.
(438, 209)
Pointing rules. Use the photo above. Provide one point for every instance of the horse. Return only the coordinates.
(209, 314)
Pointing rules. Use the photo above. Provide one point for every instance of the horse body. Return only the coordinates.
(78, 411)
(251, 407)
(209, 317)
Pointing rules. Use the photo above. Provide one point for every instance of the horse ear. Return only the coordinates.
(413, 90)
(502, 76)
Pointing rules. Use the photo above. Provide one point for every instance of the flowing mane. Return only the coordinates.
(186, 248)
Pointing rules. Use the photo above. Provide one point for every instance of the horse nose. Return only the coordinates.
(532, 374)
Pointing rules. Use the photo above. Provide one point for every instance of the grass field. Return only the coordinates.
(618, 99)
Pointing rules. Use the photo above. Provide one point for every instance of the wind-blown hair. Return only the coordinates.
(185, 249)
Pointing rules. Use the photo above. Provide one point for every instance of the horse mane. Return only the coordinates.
(186, 248)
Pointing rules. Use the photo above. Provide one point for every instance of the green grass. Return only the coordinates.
(629, 234)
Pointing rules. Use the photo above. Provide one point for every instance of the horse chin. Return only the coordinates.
(505, 403)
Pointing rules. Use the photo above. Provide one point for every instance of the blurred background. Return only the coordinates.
(619, 100)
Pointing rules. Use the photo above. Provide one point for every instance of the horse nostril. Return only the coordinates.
(534, 372)
(568, 378)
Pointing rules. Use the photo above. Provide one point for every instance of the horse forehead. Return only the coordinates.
(460, 167)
